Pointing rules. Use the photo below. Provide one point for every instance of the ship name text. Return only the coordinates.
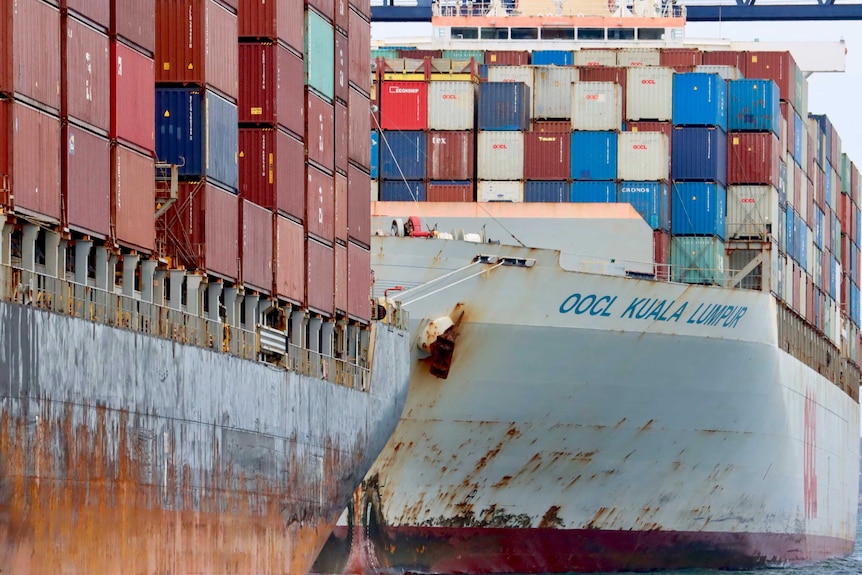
(655, 309)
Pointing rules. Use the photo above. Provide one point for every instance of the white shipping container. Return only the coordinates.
(512, 74)
(635, 57)
(803, 293)
(451, 105)
(500, 155)
(751, 210)
(642, 156)
(816, 272)
(809, 252)
(803, 161)
(726, 72)
(552, 98)
(591, 57)
(788, 281)
(498, 191)
(649, 93)
(802, 208)
(776, 285)
(375, 190)
(782, 137)
(834, 188)
(596, 106)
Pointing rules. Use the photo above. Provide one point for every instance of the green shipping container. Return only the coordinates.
(477, 55)
(801, 101)
(845, 174)
(697, 260)
(385, 54)
(319, 55)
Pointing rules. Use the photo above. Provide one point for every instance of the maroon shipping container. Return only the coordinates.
(725, 58)
(135, 22)
(779, 67)
(133, 100)
(341, 278)
(342, 128)
(30, 51)
(507, 58)
(265, 19)
(450, 155)
(342, 15)
(320, 276)
(232, 4)
(323, 7)
(86, 182)
(359, 206)
(797, 287)
(845, 214)
(661, 253)
(30, 160)
(359, 282)
(363, 7)
(86, 95)
(272, 170)
(835, 156)
(449, 192)
(256, 251)
(320, 205)
(680, 59)
(320, 131)
(551, 126)
(797, 187)
(341, 63)
(605, 74)
(359, 141)
(341, 207)
(547, 156)
(199, 225)
(788, 114)
(268, 91)
(359, 64)
(404, 105)
(290, 260)
(132, 194)
(98, 12)
(752, 158)
(196, 43)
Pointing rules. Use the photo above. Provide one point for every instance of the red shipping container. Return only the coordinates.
(779, 67)
(404, 105)
(135, 22)
(547, 156)
(681, 59)
(449, 192)
(87, 80)
(341, 63)
(320, 205)
(197, 225)
(320, 131)
(661, 254)
(320, 276)
(342, 128)
(605, 74)
(341, 286)
(86, 182)
(265, 19)
(359, 206)
(268, 92)
(507, 58)
(798, 182)
(323, 7)
(359, 140)
(725, 58)
(132, 195)
(341, 207)
(450, 155)
(290, 260)
(98, 12)
(752, 158)
(196, 43)
(30, 51)
(342, 15)
(256, 250)
(30, 160)
(359, 282)
(363, 7)
(845, 214)
(272, 170)
(551, 126)
(133, 100)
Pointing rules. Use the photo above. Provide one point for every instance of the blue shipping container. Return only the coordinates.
(782, 183)
(535, 191)
(782, 229)
(590, 192)
(790, 230)
(699, 100)
(833, 276)
(375, 154)
(855, 312)
(854, 263)
(818, 227)
(699, 209)
(199, 131)
(552, 58)
(397, 191)
(504, 106)
(650, 199)
(403, 156)
(594, 155)
(801, 233)
(799, 132)
(753, 106)
(699, 154)
(828, 185)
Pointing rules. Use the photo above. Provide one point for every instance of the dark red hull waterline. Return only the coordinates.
(479, 550)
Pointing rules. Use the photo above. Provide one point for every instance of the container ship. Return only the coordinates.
(192, 381)
(631, 265)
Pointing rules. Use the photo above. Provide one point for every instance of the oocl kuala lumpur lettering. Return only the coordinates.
(655, 309)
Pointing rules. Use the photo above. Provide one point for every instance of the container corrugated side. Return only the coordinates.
(594, 155)
(752, 158)
(341, 63)
(596, 106)
(359, 37)
(547, 156)
(132, 194)
(358, 142)
(450, 155)
(320, 205)
(375, 154)
(504, 106)
(500, 155)
(500, 191)
(552, 91)
(506, 58)
(403, 105)
(780, 67)
(86, 93)
(649, 93)
(752, 105)
(595, 57)
(607, 74)
(546, 191)
(723, 71)
(651, 201)
(699, 100)
(320, 131)
(512, 74)
(698, 208)
(98, 12)
(724, 58)
(358, 207)
(699, 154)
(552, 58)
(30, 51)
(133, 102)
(400, 191)
(268, 92)
(638, 57)
(87, 182)
(642, 156)
(451, 105)
(681, 59)
(593, 191)
(271, 162)
(403, 155)
(265, 19)
(135, 22)
(697, 260)
(450, 191)
(342, 129)
(256, 254)
(477, 55)
(340, 295)
(358, 282)
(341, 207)
(290, 260)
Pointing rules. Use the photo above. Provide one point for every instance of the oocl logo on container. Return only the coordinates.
(748, 201)
(450, 97)
(592, 97)
(648, 82)
(500, 147)
(639, 147)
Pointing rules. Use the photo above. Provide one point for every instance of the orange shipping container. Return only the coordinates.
(133, 194)
(87, 181)
(290, 260)
(256, 251)
(341, 287)
(359, 282)
(320, 277)
(30, 51)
